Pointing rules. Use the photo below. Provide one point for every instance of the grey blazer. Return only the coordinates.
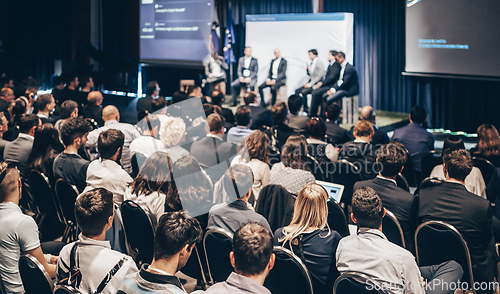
(317, 72)
(208, 70)
(254, 68)
(18, 151)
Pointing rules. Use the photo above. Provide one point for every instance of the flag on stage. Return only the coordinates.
(229, 40)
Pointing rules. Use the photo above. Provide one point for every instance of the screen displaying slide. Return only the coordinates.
(175, 32)
(458, 37)
(295, 35)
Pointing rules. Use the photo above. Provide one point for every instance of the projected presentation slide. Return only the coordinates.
(175, 31)
(295, 35)
(459, 37)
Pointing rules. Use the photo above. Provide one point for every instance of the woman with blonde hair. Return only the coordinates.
(488, 144)
(172, 135)
(310, 238)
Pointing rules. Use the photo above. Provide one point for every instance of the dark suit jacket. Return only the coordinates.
(416, 139)
(298, 123)
(469, 214)
(254, 68)
(261, 117)
(3, 143)
(379, 137)
(336, 134)
(396, 200)
(350, 81)
(493, 190)
(94, 112)
(281, 71)
(211, 151)
(68, 94)
(332, 75)
(145, 104)
(363, 155)
(228, 115)
(4, 106)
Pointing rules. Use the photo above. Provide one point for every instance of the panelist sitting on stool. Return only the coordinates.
(347, 85)
(315, 70)
(276, 77)
(247, 73)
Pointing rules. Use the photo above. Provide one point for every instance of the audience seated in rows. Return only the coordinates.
(237, 134)
(236, 211)
(68, 109)
(87, 263)
(111, 118)
(175, 238)
(488, 144)
(293, 171)
(261, 116)
(297, 121)
(280, 132)
(414, 137)
(46, 147)
(309, 236)
(147, 143)
(45, 105)
(93, 109)
(252, 259)
(360, 152)
(322, 151)
(172, 135)
(336, 135)
(379, 137)
(370, 253)
(474, 181)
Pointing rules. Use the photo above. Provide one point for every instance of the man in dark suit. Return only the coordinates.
(379, 137)
(261, 116)
(315, 70)
(70, 92)
(329, 79)
(275, 78)
(336, 135)
(146, 103)
(471, 215)
(45, 105)
(4, 126)
(212, 150)
(247, 74)
(392, 158)
(93, 109)
(347, 84)
(6, 98)
(297, 122)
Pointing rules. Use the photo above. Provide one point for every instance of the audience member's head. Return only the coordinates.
(94, 212)
(110, 144)
(32, 86)
(75, 131)
(211, 108)
(252, 253)
(457, 164)
(363, 129)
(294, 103)
(58, 82)
(7, 82)
(7, 94)
(94, 98)
(215, 123)
(238, 181)
(243, 116)
(179, 97)
(152, 89)
(68, 109)
(333, 112)
(488, 140)
(279, 113)
(173, 132)
(391, 159)
(176, 235)
(10, 182)
(257, 144)
(45, 103)
(368, 114)
(367, 208)
(316, 128)
(28, 123)
(71, 81)
(18, 108)
(294, 153)
(217, 98)
(4, 124)
(452, 143)
(110, 112)
(155, 175)
(46, 145)
(418, 114)
(194, 91)
(250, 98)
(151, 125)
(87, 82)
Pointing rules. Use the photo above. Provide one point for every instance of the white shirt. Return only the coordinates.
(109, 175)
(342, 70)
(247, 61)
(145, 145)
(154, 202)
(313, 63)
(215, 67)
(276, 64)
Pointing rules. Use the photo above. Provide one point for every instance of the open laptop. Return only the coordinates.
(334, 190)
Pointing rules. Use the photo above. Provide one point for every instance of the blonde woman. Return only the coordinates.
(172, 134)
(309, 236)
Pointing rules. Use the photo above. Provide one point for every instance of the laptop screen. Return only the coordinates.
(334, 190)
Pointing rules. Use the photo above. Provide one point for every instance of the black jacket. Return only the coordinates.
(275, 203)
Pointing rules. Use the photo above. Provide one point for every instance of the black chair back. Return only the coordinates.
(344, 173)
(67, 194)
(276, 204)
(196, 264)
(137, 162)
(45, 201)
(486, 167)
(336, 218)
(289, 274)
(410, 173)
(139, 231)
(65, 289)
(2, 288)
(354, 282)
(402, 183)
(392, 229)
(315, 168)
(427, 183)
(437, 242)
(430, 160)
(35, 278)
(217, 244)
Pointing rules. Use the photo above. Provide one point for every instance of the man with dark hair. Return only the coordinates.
(32, 87)
(347, 85)
(360, 152)
(105, 172)
(218, 99)
(238, 134)
(58, 84)
(6, 82)
(280, 131)
(327, 81)
(391, 159)
(146, 103)
(175, 239)
(261, 116)
(276, 78)
(87, 84)
(370, 253)
(95, 262)
(315, 70)
(252, 258)
(471, 215)
(4, 126)
(6, 98)
(194, 91)
(334, 132)
(68, 109)
(234, 212)
(70, 92)
(68, 165)
(93, 109)
(148, 143)
(379, 137)
(247, 74)
(414, 137)
(297, 122)
(45, 105)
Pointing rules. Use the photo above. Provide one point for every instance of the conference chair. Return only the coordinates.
(427, 183)
(196, 267)
(35, 278)
(67, 194)
(276, 204)
(217, 244)
(289, 274)
(139, 232)
(409, 171)
(65, 289)
(2, 288)
(46, 203)
(347, 174)
(354, 282)
(336, 218)
(315, 168)
(437, 242)
(430, 160)
(402, 183)
(392, 229)
(486, 167)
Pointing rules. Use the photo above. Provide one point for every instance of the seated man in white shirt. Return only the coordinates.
(148, 143)
(369, 252)
(105, 172)
(89, 264)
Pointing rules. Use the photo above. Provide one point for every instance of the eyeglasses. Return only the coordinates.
(5, 167)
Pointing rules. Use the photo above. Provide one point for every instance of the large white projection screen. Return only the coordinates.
(295, 35)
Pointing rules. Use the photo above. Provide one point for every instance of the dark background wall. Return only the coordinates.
(35, 33)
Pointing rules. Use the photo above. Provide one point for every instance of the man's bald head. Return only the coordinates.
(94, 98)
(368, 114)
(110, 113)
(7, 94)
